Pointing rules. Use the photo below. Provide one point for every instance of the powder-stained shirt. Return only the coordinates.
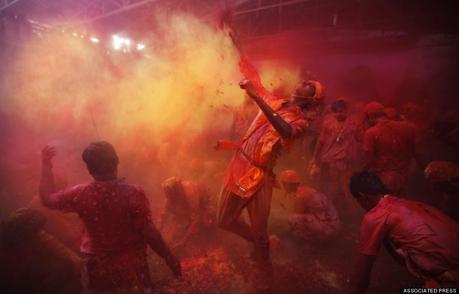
(390, 148)
(114, 214)
(425, 238)
(261, 144)
(338, 140)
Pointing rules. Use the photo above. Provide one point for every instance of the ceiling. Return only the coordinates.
(252, 18)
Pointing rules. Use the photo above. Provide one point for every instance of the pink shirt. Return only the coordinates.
(425, 238)
(338, 140)
(114, 214)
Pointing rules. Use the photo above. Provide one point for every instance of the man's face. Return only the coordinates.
(340, 114)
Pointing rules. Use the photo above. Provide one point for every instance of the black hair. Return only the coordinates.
(368, 183)
(339, 104)
(100, 158)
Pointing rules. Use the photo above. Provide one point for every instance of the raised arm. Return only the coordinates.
(279, 124)
(65, 199)
(245, 66)
(250, 73)
(47, 178)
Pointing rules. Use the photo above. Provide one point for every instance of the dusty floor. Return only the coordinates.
(224, 266)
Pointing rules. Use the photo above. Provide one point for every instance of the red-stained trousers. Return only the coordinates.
(258, 207)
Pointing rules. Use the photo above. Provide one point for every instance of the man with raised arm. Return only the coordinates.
(249, 179)
(117, 222)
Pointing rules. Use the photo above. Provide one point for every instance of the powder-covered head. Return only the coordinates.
(101, 159)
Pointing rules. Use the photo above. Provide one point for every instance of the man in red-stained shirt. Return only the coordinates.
(418, 236)
(117, 222)
(248, 183)
(389, 148)
(336, 154)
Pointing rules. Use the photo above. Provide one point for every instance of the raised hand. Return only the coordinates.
(47, 155)
(249, 87)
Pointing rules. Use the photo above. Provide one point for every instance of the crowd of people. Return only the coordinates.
(365, 156)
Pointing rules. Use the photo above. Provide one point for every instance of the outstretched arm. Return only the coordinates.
(250, 73)
(65, 199)
(245, 66)
(143, 222)
(156, 242)
(47, 177)
(279, 124)
(255, 89)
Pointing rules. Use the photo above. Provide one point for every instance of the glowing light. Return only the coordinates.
(75, 34)
(117, 42)
(94, 40)
(140, 46)
(121, 44)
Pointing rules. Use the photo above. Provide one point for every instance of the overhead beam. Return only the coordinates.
(107, 8)
(269, 6)
(4, 4)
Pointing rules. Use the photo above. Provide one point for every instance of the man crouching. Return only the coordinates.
(417, 235)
